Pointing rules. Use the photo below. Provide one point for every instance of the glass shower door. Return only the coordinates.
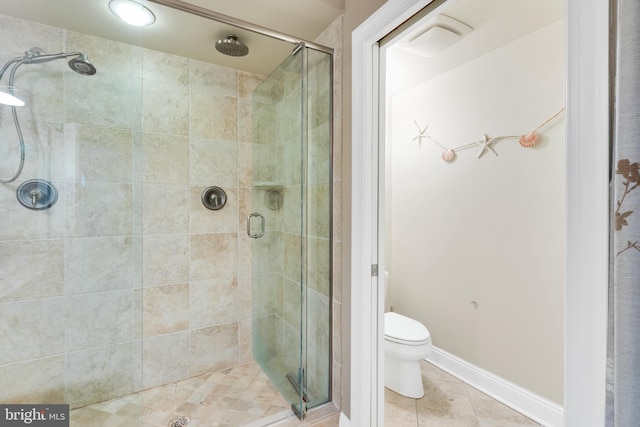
(277, 229)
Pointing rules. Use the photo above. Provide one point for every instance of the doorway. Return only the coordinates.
(474, 96)
(586, 248)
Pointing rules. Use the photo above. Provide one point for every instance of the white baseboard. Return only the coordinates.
(344, 421)
(536, 407)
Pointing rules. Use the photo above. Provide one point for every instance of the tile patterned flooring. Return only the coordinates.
(229, 398)
(243, 395)
(448, 402)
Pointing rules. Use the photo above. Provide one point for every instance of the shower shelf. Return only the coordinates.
(268, 185)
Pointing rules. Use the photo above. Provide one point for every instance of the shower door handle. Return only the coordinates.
(260, 233)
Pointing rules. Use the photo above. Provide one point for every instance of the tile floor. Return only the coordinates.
(448, 402)
(243, 396)
(232, 397)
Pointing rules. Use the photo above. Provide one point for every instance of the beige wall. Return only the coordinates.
(489, 229)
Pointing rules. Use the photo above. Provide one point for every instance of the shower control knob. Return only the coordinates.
(37, 194)
(214, 198)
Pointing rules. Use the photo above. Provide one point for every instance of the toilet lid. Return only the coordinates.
(400, 328)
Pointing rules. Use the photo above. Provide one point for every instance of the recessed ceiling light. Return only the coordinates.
(132, 12)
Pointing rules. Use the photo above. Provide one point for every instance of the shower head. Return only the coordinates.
(231, 46)
(81, 65)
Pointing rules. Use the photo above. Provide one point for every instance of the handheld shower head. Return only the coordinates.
(81, 65)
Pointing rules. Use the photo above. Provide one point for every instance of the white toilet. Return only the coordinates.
(406, 342)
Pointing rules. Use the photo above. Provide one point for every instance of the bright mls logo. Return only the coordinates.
(34, 415)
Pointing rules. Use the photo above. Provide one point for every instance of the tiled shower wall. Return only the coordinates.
(128, 264)
(128, 281)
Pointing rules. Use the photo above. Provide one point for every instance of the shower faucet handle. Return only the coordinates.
(36, 195)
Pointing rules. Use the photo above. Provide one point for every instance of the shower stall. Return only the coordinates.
(183, 269)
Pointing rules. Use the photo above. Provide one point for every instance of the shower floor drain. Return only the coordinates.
(180, 422)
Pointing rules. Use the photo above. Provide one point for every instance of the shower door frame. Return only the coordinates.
(271, 227)
(587, 220)
(315, 212)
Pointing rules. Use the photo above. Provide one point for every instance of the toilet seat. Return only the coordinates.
(404, 330)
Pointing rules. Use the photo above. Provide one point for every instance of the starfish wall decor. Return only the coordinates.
(449, 154)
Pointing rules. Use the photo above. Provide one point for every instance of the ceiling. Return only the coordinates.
(494, 24)
(183, 34)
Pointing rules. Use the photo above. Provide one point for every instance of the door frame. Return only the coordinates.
(587, 213)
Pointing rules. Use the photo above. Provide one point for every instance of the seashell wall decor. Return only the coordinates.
(527, 140)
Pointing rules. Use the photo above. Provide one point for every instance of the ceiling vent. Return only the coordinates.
(434, 37)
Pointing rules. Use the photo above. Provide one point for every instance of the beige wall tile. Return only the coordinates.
(165, 158)
(269, 295)
(291, 296)
(165, 68)
(214, 255)
(40, 380)
(245, 296)
(97, 153)
(103, 100)
(318, 265)
(318, 316)
(165, 358)
(213, 348)
(99, 208)
(31, 269)
(165, 309)
(215, 78)
(98, 374)
(213, 162)
(44, 150)
(244, 341)
(165, 108)
(214, 302)
(248, 82)
(165, 209)
(94, 264)
(213, 116)
(165, 259)
(245, 255)
(98, 319)
(32, 329)
(245, 159)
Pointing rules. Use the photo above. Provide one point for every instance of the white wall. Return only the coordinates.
(489, 230)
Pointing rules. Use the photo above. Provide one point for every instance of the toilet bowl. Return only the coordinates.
(406, 343)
